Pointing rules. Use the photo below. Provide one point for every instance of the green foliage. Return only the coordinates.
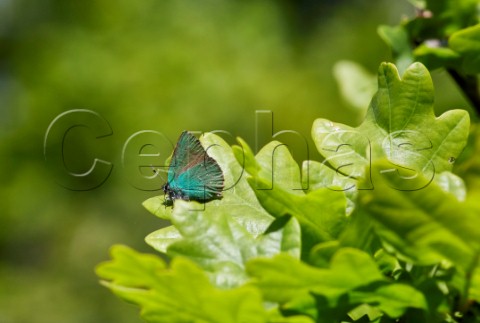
(427, 226)
(145, 280)
(401, 126)
(441, 35)
(466, 43)
(222, 235)
(142, 65)
(444, 34)
(329, 293)
(381, 230)
(277, 185)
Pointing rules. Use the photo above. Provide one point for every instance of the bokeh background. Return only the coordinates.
(159, 65)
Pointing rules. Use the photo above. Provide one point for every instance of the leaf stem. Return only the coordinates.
(468, 84)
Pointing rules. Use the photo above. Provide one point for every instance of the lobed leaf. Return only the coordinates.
(426, 226)
(219, 243)
(400, 125)
(180, 294)
(351, 279)
(276, 182)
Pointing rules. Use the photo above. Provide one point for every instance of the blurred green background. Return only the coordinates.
(160, 65)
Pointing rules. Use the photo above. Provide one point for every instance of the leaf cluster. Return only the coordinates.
(380, 231)
(443, 34)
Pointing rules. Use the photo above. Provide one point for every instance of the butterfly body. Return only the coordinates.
(192, 174)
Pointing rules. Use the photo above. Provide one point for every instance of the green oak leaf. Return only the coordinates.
(276, 182)
(351, 279)
(434, 56)
(462, 53)
(181, 293)
(400, 125)
(161, 239)
(365, 310)
(426, 226)
(222, 235)
(322, 176)
(466, 42)
(156, 206)
(220, 244)
(273, 166)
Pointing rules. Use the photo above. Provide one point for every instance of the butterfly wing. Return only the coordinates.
(187, 149)
(192, 173)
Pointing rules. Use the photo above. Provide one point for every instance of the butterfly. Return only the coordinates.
(192, 174)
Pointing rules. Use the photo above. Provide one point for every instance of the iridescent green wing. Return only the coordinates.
(193, 172)
(187, 151)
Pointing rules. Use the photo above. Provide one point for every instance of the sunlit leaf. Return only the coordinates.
(427, 225)
(351, 279)
(182, 293)
(221, 245)
(321, 213)
(400, 125)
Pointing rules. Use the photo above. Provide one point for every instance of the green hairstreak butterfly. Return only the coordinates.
(192, 174)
